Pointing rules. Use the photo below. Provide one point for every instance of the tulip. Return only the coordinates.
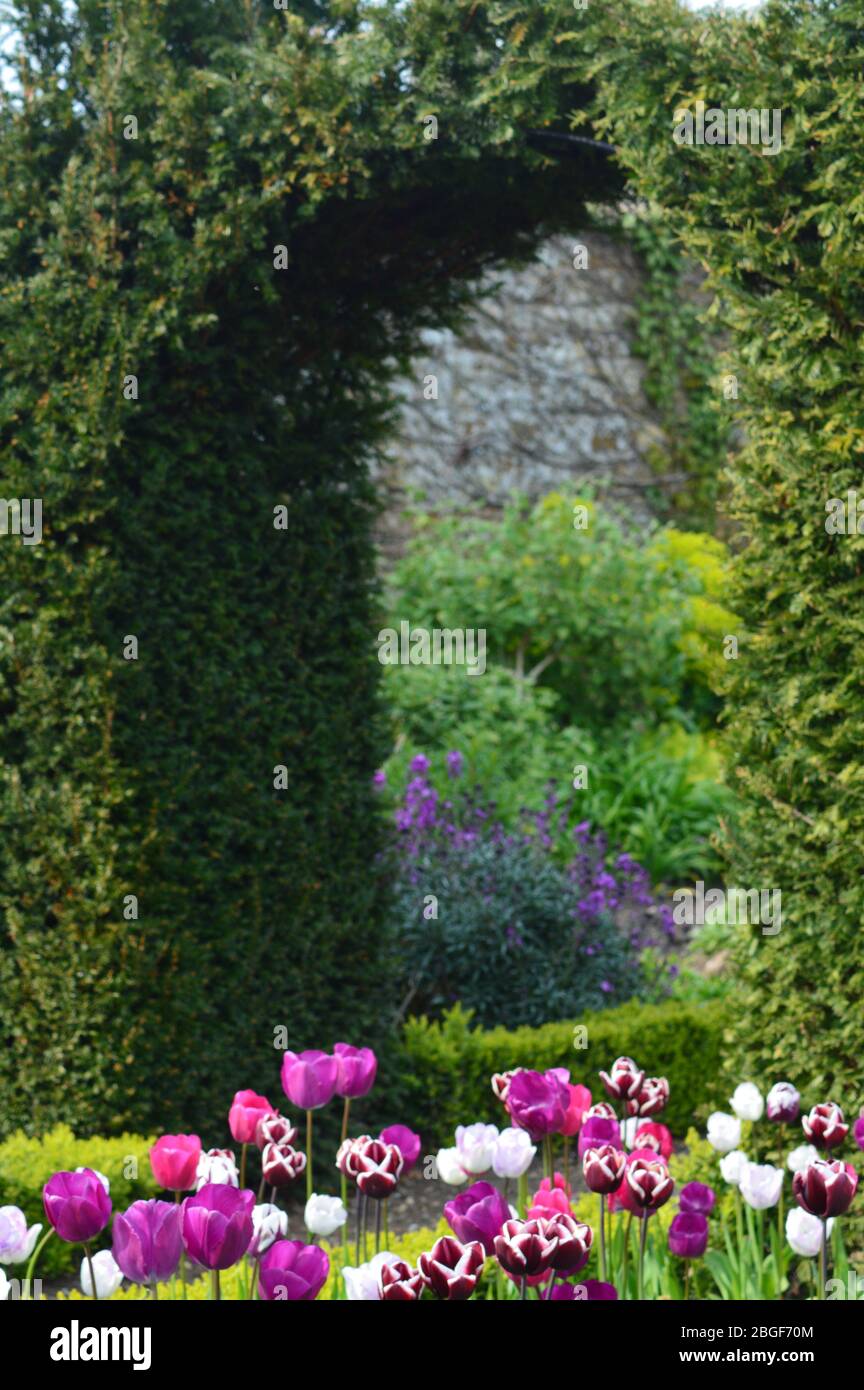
(732, 1166)
(824, 1125)
(801, 1157)
(217, 1225)
(476, 1144)
(363, 1282)
(603, 1168)
(478, 1215)
(602, 1111)
(450, 1269)
(525, 1248)
(406, 1141)
(101, 1176)
(174, 1160)
(574, 1243)
(724, 1132)
(77, 1205)
(357, 1067)
(551, 1199)
(274, 1129)
(597, 1131)
(269, 1223)
(324, 1215)
(538, 1102)
(449, 1168)
(651, 1097)
(280, 1164)
(783, 1104)
(376, 1168)
(246, 1110)
(825, 1187)
(293, 1272)
(654, 1136)
(147, 1241)
(102, 1268)
(587, 1290)
(501, 1084)
(579, 1104)
(649, 1182)
(804, 1232)
(858, 1131)
(217, 1166)
(622, 1196)
(761, 1185)
(512, 1153)
(16, 1241)
(399, 1283)
(624, 1080)
(747, 1101)
(309, 1079)
(688, 1235)
(5, 1286)
(696, 1199)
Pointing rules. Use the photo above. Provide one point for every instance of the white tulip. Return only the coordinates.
(804, 1232)
(761, 1185)
(106, 1272)
(17, 1241)
(747, 1102)
(512, 1153)
(476, 1145)
(268, 1224)
(733, 1165)
(724, 1132)
(5, 1286)
(801, 1157)
(448, 1165)
(324, 1215)
(362, 1283)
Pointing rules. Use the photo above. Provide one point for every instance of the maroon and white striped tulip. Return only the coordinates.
(601, 1111)
(399, 1283)
(649, 1182)
(624, 1079)
(824, 1125)
(451, 1269)
(783, 1103)
(650, 1098)
(825, 1187)
(274, 1129)
(281, 1164)
(375, 1167)
(574, 1243)
(603, 1168)
(525, 1248)
(501, 1083)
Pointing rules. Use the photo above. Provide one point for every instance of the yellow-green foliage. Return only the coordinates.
(703, 559)
(26, 1164)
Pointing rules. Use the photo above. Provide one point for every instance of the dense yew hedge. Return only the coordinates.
(450, 1063)
(257, 387)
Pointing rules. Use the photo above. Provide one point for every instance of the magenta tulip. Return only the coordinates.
(406, 1141)
(246, 1110)
(478, 1215)
(688, 1235)
(309, 1078)
(77, 1205)
(217, 1225)
(174, 1160)
(696, 1198)
(597, 1133)
(147, 1240)
(538, 1102)
(858, 1131)
(356, 1070)
(586, 1290)
(292, 1272)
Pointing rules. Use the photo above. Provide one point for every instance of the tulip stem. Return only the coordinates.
(823, 1260)
(261, 1191)
(308, 1154)
(28, 1278)
(640, 1273)
(626, 1253)
(377, 1228)
(522, 1288)
(602, 1238)
(522, 1200)
(216, 1292)
(345, 1112)
(243, 1165)
(687, 1269)
(359, 1222)
(386, 1221)
(154, 1291)
(93, 1293)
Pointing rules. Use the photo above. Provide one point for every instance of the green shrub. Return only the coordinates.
(450, 1063)
(26, 1164)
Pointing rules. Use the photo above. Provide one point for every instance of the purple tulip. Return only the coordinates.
(293, 1272)
(217, 1225)
(407, 1142)
(688, 1235)
(696, 1198)
(357, 1068)
(538, 1102)
(587, 1289)
(77, 1205)
(309, 1079)
(478, 1214)
(147, 1240)
(597, 1131)
(858, 1131)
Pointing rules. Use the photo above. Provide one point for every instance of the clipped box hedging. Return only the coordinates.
(449, 1063)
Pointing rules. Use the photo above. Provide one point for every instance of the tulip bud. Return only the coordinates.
(106, 1272)
(724, 1132)
(603, 1168)
(732, 1166)
(217, 1166)
(274, 1129)
(825, 1187)
(399, 1283)
(761, 1185)
(651, 1097)
(624, 1080)
(649, 1183)
(450, 1269)
(375, 1167)
(476, 1144)
(280, 1164)
(526, 1248)
(324, 1215)
(688, 1235)
(824, 1125)
(783, 1104)
(804, 1232)
(747, 1101)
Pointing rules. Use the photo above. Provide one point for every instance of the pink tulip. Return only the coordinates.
(246, 1110)
(174, 1160)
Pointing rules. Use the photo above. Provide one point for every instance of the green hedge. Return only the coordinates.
(26, 1165)
(450, 1063)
